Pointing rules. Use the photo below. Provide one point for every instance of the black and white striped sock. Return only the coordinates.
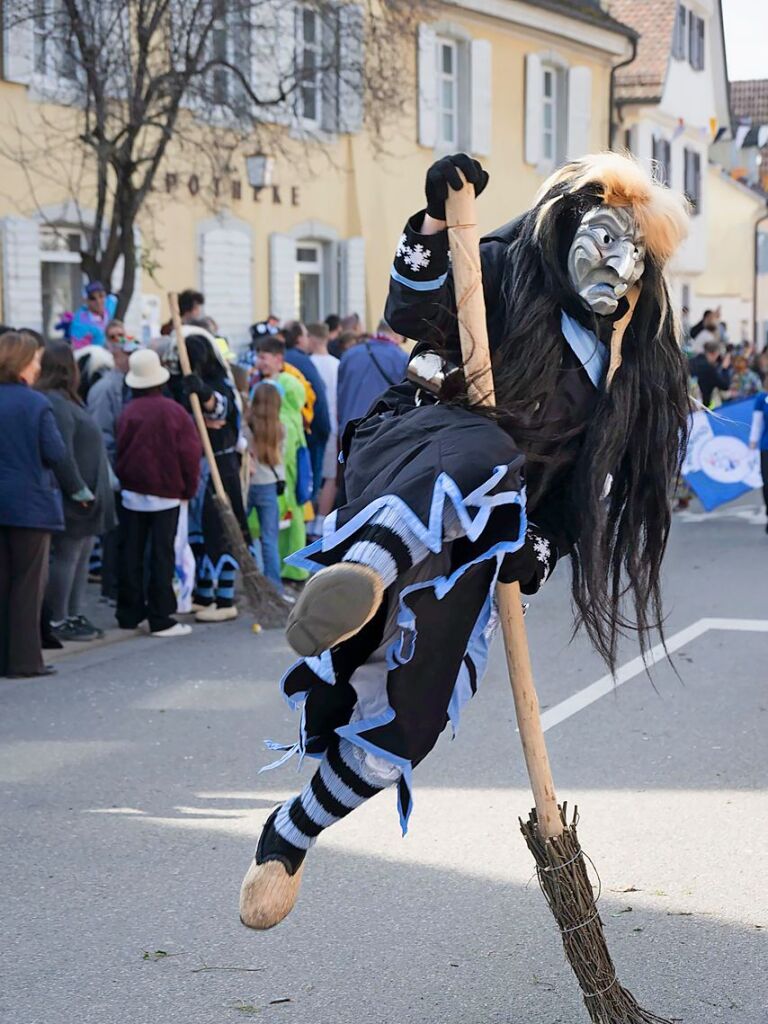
(341, 783)
(390, 547)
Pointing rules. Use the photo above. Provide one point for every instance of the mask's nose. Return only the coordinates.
(623, 260)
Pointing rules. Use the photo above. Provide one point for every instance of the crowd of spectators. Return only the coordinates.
(103, 476)
(103, 473)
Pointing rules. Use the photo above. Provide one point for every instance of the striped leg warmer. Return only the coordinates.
(225, 585)
(390, 547)
(342, 782)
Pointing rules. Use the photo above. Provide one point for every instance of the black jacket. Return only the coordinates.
(709, 376)
(422, 306)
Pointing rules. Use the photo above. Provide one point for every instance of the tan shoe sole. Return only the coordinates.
(268, 894)
(214, 614)
(334, 605)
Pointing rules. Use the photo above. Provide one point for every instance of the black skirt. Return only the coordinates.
(392, 688)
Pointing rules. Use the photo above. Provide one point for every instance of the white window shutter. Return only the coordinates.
(352, 292)
(226, 276)
(18, 52)
(282, 276)
(427, 86)
(351, 81)
(273, 60)
(534, 101)
(22, 291)
(481, 92)
(579, 111)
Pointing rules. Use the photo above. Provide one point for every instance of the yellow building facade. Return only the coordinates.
(521, 85)
(728, 281)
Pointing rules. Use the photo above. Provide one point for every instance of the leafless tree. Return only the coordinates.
(124, 83)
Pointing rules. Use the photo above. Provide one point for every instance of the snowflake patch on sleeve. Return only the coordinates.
(417, 257)
(543, 551)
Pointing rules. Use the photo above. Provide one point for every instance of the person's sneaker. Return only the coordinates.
(177, 629)
(334, 605)
(215, 614)
(271, 885)
(87, 628)
(70, 631)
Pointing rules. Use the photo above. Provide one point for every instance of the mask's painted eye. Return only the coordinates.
(605, 238)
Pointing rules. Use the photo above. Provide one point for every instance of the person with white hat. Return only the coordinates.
(158, 463)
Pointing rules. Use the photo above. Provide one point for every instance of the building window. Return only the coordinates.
(662, 159)
(696, 42)
(230, 44)
(309, 51)
(220, 48)
(41, 38)
(554, 114)
(61, 274)
(692, 179)
(762, 252)
(447, 92)
(680, 38)
(309, 281)
(53, 49)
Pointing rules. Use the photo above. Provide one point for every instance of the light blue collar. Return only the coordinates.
(586, 346)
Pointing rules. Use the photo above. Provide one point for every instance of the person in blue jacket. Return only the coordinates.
(32, 461)
(758, 438)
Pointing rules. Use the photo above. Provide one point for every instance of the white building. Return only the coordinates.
(671, 103)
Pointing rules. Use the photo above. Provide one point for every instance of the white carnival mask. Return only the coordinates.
(606, 257)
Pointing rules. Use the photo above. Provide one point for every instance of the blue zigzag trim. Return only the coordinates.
(402, 648)
(430, 535)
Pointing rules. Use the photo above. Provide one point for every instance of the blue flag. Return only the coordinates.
(720, 466)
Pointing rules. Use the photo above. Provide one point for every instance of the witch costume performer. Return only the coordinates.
(442, 499)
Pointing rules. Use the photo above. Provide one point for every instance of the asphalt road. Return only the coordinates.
(131, 804)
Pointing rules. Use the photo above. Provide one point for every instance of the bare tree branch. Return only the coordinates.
(143, 78)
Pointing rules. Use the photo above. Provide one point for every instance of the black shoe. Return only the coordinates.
(65, 632)
(73, 630)
(87, 627)
(47, 670)
(50, 643)
(273, 847)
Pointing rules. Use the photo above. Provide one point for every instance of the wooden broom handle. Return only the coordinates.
(464, 240)
(194, 400)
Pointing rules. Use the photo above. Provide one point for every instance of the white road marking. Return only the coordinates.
(606, 684)
(753, 515)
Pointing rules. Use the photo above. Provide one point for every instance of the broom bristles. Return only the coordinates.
(260, 594)
(563, 877)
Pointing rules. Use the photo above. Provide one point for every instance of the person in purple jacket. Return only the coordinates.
(32, 461)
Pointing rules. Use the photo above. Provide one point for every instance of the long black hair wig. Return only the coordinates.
(633, 444)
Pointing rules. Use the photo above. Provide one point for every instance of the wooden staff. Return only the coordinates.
(476, 355)
(553, 841)
(194, 401)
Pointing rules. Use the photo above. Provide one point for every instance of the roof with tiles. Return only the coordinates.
(593, 12)
(654, 20)
(749, 101)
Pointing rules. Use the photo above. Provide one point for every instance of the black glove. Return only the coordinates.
(532, 564)
(444, 174)
(193, 385)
